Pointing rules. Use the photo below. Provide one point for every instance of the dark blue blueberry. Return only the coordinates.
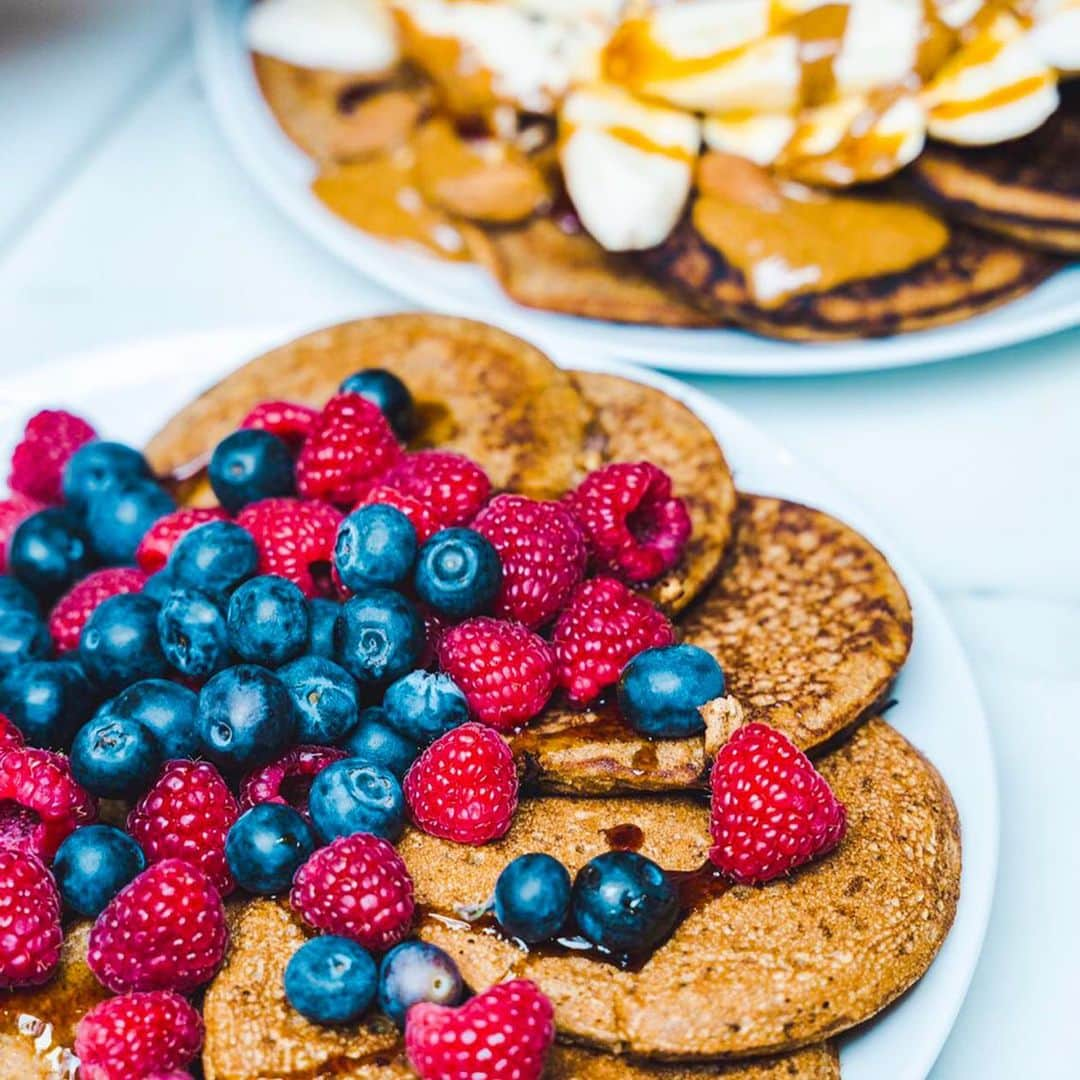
(324, 695)
(245, 718)
(423, 706)
(93, 864)
(458, 573)
(532, 898)
(119, 643)
(624, 903)
(375, 741)
(378, 637)
(323, 614)
(376, 545)
(249, 465)
(15, 596)
(214, 558)
(266, 846)
(23, 637)
(48, 701)
(158, 586)
(49, 552)
(119, 518)
(167, 710)
(98, 467)
(268, 621)
(661, 690)
(331, 980)
(352, 796)
(115, 757)
(389, 394)
(193, 634)
(415, 971)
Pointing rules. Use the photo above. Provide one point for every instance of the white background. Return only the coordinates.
(122, 215)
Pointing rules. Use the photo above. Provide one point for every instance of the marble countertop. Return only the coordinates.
(122, 215)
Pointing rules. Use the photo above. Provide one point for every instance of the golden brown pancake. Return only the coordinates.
(754, 970)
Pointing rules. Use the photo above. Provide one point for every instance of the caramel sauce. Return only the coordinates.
(996, 99)
(820, 33)
(637, 139)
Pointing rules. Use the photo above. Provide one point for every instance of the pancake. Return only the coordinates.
(252, 1032)
(810, 625)
(479, 391)
(754, 970)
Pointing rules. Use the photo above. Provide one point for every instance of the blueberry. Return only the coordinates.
(115, 757)
(98, 467)
(268, 621)
(48, 701)
(215, 558)
(458, 573)
(49, 552)
(423, 706)
(323, 614)
(331, 980)
(158, 586)
(266, 847)
(376, 742)
(532, 898)
(119, 643)
(376, 545)
(352, 796)
(415, 971)
(249, 465)
(119, 518)
(389, 394)
(23, 637)
(193, 634)
(167, 710)
(245, 718)
(15, 596)
(661, 690)
(624, 902)
(93, 864)
(324, 696)
(378, 637)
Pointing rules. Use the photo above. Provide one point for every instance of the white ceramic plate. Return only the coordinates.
(129, 392)
(284, 173)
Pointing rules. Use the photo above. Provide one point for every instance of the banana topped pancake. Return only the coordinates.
(810, 625)
(253, 1033)
(478, 390)
(752, 970)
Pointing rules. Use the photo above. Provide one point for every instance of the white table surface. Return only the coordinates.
(122, 216)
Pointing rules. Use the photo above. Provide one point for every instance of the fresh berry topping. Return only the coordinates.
(72, 610)
(30, 933)
(416, 971)
(379, 636)
(543, 553)
(136, 1034)
(266, 847)
(423, 521)
(376, 545)
(464, 786)
(661, 691)
(452, 487)
(24, 638)
(99, 467)
(187, 815)
(532, 898)
(350, 449)
(506, 672)
(374, 740)
(10, 736)
(458, 573)
(636, 527)
(14, 510)
(423, 705)
(193, 635)
(157, 545)
(384, 389)
(505, 1032)
(331, 980)
(325, 699)
(93, 864)
(604, 627)
(118, 519)
(115, 757)
(268, 621)
(49, 551)
(164, 931)
(295, 540)
(358, 887)
(288, 780)
(355, 796)
(37, 465)
(167, 709)
(40, 801)
(772, 811)
(48, 701)
(250, 465)
(119, 644)
(286, 419)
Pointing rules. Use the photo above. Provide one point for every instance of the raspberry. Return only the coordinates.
(505, 1032)
(543, 553)
(187, 815)
(163, 931)
(289, 421)
(636, 527)
(351, 447)
(416, 511)
(600, 632)
(14, 510)
(771, 809)
(295, 541)
(37, 465)
(137, 1034)
(30, 934)
(506, 672)
(358, 887)
(10, 736)
(160, 539)
(40, 801)
(68, 617)
(464, 786)
(452, 487)
(288, 780)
